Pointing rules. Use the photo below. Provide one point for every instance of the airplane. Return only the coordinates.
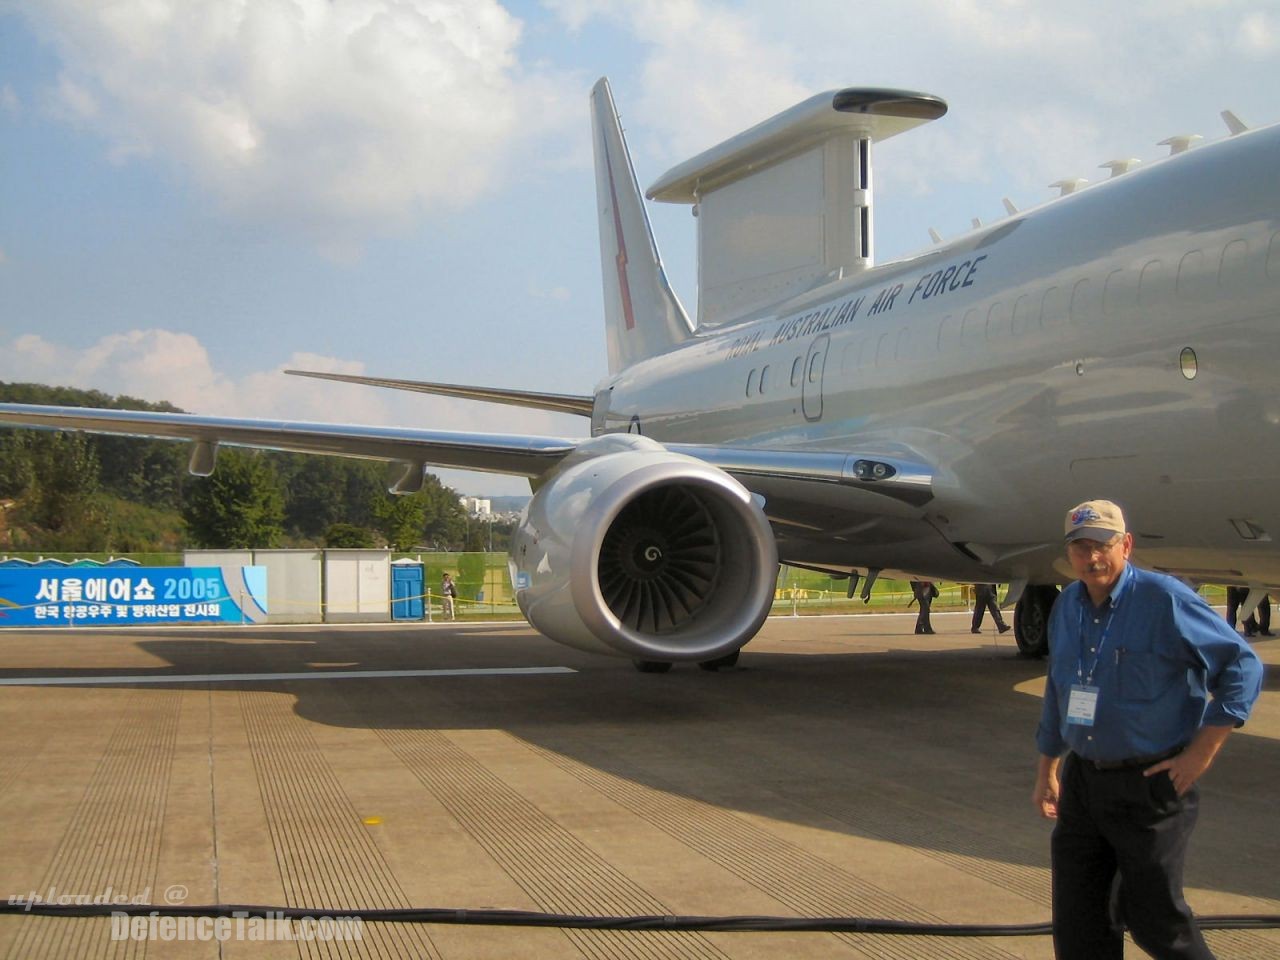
(935, 415)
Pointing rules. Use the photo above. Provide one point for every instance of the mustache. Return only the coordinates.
(1097, 567)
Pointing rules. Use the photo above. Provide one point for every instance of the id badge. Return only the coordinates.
(1082, 705)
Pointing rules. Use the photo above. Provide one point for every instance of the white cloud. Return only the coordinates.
(699, 57)
(1258, 34)
(9, 101)
(328, 117)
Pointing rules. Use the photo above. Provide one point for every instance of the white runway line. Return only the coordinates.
(309, 675)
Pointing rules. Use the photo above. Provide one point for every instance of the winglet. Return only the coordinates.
(643, 315)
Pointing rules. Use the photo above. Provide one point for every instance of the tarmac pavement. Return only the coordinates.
(846, 767)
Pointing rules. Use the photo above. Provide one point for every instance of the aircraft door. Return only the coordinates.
(811, 381)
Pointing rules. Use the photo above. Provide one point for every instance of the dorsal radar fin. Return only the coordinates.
(1234, 124)
(1179, 144)
(1117, 167)
(934, 235)
(786, 206)
(1009, 207)
(643, 315)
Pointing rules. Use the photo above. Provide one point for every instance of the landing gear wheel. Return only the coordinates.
(652, 666)
(1031, 620)
(721, 663)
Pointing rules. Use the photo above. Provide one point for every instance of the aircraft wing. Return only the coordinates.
(894, 477)
(527, 456)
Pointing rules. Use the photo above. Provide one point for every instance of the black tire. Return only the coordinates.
(721, 663)
(1031, 620)
(652, 666)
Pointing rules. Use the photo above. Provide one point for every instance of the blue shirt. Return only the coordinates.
(1157, 654)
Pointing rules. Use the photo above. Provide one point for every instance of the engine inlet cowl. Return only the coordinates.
(645, 554)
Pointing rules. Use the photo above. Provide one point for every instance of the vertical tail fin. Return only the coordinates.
(643, 315)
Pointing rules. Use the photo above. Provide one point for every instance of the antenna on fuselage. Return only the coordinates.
(1070, 185)
(1117, 167)
(1181, 143)
(1234, 124)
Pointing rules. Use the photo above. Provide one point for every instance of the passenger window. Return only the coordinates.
(764, 378)
(1235, 264)
(1021, 315)
(795, 371)
(1083, 306)
(902, 350)
(815, 367)
(1116, 294)
(1051, 307)
(1153, 289)
(997, 322)
(1191, 276)
(751, 382)
(881, 354)
(946, 333)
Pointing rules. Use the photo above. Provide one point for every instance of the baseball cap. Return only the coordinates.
(1094, 520)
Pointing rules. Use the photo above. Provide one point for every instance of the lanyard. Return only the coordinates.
(1087, 679)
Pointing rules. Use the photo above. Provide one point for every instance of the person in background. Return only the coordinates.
(923, 592)
(1145, 684)
(449, 594)
(1258, 620)
(984, 599)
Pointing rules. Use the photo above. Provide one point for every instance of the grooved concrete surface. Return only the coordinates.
(846, 767)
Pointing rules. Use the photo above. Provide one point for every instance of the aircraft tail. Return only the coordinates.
(643, 315)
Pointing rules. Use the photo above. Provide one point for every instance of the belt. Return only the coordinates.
(1130, 763)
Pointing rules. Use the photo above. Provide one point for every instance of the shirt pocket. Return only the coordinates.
(1140, 675)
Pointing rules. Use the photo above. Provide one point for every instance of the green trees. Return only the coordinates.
(56, 477)
(89, 492)
(431, 516)
(239, 506)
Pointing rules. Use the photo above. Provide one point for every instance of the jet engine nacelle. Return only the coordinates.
(632, 550)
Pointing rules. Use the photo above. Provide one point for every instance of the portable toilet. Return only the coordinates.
(408, 580)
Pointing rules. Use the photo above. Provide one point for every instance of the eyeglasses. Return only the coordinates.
(1087, 548)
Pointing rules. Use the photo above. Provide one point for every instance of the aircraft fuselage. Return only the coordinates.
(1120, 342)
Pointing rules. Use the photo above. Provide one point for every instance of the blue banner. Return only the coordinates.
(107, 596)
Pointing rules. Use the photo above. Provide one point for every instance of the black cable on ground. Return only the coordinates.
(529, 918)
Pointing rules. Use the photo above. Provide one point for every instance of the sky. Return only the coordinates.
(198, 194)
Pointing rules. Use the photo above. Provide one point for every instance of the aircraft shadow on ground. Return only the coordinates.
(933, 750)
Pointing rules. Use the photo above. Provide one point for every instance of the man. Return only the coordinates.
(1134, 660)
(449, 596)
(984, 599)
(1237, 596)
(923, 592)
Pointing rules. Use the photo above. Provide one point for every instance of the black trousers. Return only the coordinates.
(1252, 623)
(1119, 827)
(984, 599)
